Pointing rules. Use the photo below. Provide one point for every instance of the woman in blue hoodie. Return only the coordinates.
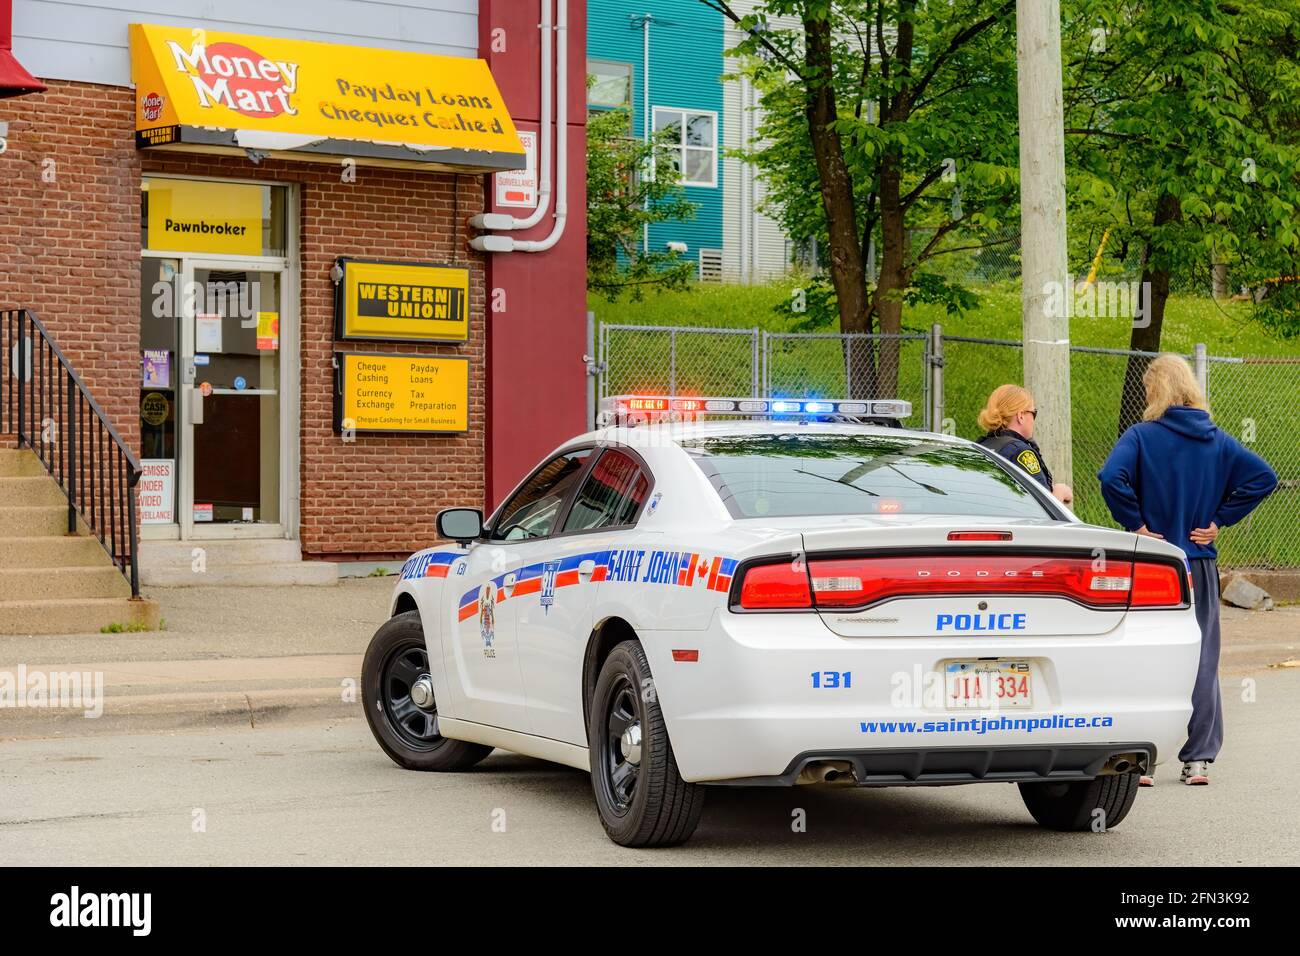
(1176, 476)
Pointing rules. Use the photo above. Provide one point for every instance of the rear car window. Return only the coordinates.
(610, 496)
(792, 474)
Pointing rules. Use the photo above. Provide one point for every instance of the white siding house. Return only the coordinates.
(754, 247)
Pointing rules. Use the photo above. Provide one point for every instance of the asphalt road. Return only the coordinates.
(322, 793)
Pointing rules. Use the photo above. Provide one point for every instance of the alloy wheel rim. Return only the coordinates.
(416, 725)
(623, 749)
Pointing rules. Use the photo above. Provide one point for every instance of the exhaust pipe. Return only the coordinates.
(1124, 763)
(836, 772)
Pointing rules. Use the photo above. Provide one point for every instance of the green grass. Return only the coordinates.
(131, 627)
(1227, 328)
(1256, 400)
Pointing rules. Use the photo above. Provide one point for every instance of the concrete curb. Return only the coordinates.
(149, 696)
(155, 713)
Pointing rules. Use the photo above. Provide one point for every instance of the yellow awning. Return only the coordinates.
(203, 88)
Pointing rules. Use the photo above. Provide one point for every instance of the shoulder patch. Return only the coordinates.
(1029, 461)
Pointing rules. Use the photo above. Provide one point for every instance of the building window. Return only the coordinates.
(611, 86)
(689, 140)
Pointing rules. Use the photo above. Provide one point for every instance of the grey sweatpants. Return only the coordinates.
(1205, 729)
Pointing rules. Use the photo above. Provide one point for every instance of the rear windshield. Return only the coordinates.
(790, 475)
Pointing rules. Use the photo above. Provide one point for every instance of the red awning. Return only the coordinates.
(14, 80)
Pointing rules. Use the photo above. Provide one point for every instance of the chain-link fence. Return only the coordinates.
(821, 365)
(656, 360)
(948, 378)
(1257, 401)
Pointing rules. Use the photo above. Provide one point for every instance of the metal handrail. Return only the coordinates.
(47, 405)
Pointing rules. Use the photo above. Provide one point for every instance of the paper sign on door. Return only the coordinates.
(207, 332)
(268, 331)
(157, 489)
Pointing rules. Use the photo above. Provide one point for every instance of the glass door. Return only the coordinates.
(230, 373)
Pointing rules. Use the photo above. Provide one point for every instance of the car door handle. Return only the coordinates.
(587, 568)
(510, 579)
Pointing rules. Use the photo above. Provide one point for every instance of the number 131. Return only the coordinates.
(830, 680)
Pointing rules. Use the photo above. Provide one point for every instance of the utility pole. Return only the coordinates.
(1046, 291)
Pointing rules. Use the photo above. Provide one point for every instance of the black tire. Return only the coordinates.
(405, 732)
(650, 804)
(1069, 807)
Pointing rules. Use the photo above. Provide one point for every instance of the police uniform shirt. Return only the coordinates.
(1023, 451)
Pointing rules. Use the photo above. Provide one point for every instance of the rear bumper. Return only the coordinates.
(746, 709)
(945, 766)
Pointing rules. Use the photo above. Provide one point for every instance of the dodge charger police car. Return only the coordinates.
(777, 593)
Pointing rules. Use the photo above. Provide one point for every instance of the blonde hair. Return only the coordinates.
(1170, 381)
(1006, 402)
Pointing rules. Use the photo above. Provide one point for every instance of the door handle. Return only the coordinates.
(587, 568)
(196, 406)
(510, 580)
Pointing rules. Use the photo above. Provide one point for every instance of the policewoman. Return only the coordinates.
(1008, 422)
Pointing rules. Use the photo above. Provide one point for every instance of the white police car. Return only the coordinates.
(800, 599)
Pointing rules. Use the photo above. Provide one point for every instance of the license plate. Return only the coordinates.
(979, 685)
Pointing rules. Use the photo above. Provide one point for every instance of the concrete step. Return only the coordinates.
(21, 521)
(77, 615)
(51, 551)
(218, 553)
(31, 490)
(277, 574)
(19, 463)
(243, 562)
(100, 580)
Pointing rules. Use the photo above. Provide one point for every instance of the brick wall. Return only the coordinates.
(70, 250)
(70, 233)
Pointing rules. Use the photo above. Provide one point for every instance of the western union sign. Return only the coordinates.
(395, 301)
(209, 88)
(401, 393)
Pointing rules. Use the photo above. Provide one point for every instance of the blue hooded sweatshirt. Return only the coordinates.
(1181, 472)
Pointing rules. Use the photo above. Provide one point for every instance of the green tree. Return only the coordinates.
(627, 191)
(885, 120)
(1180, 123)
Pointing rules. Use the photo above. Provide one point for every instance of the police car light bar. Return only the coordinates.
(635, 406)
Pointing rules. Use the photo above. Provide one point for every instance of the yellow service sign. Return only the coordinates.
(187, 215)
(402, 302)
(208, 79)
(402, 393)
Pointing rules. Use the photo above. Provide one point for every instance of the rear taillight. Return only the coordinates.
(1156, 585)
(769, 587)
(854, 582)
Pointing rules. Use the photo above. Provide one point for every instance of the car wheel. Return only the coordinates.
(641, 798)
(1075, 806)
(397, 694)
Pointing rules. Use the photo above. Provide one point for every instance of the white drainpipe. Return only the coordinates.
(742, 171)
(754, 248)
(645, 112)
(507, 243)
(504, 221)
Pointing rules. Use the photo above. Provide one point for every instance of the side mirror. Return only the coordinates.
(461, 525)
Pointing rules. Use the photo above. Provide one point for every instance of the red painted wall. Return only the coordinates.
(537, 382)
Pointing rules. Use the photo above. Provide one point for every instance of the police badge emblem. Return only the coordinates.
(487, 605)
(549, 570)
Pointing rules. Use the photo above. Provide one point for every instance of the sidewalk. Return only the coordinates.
(225, 656)
(255, 656)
